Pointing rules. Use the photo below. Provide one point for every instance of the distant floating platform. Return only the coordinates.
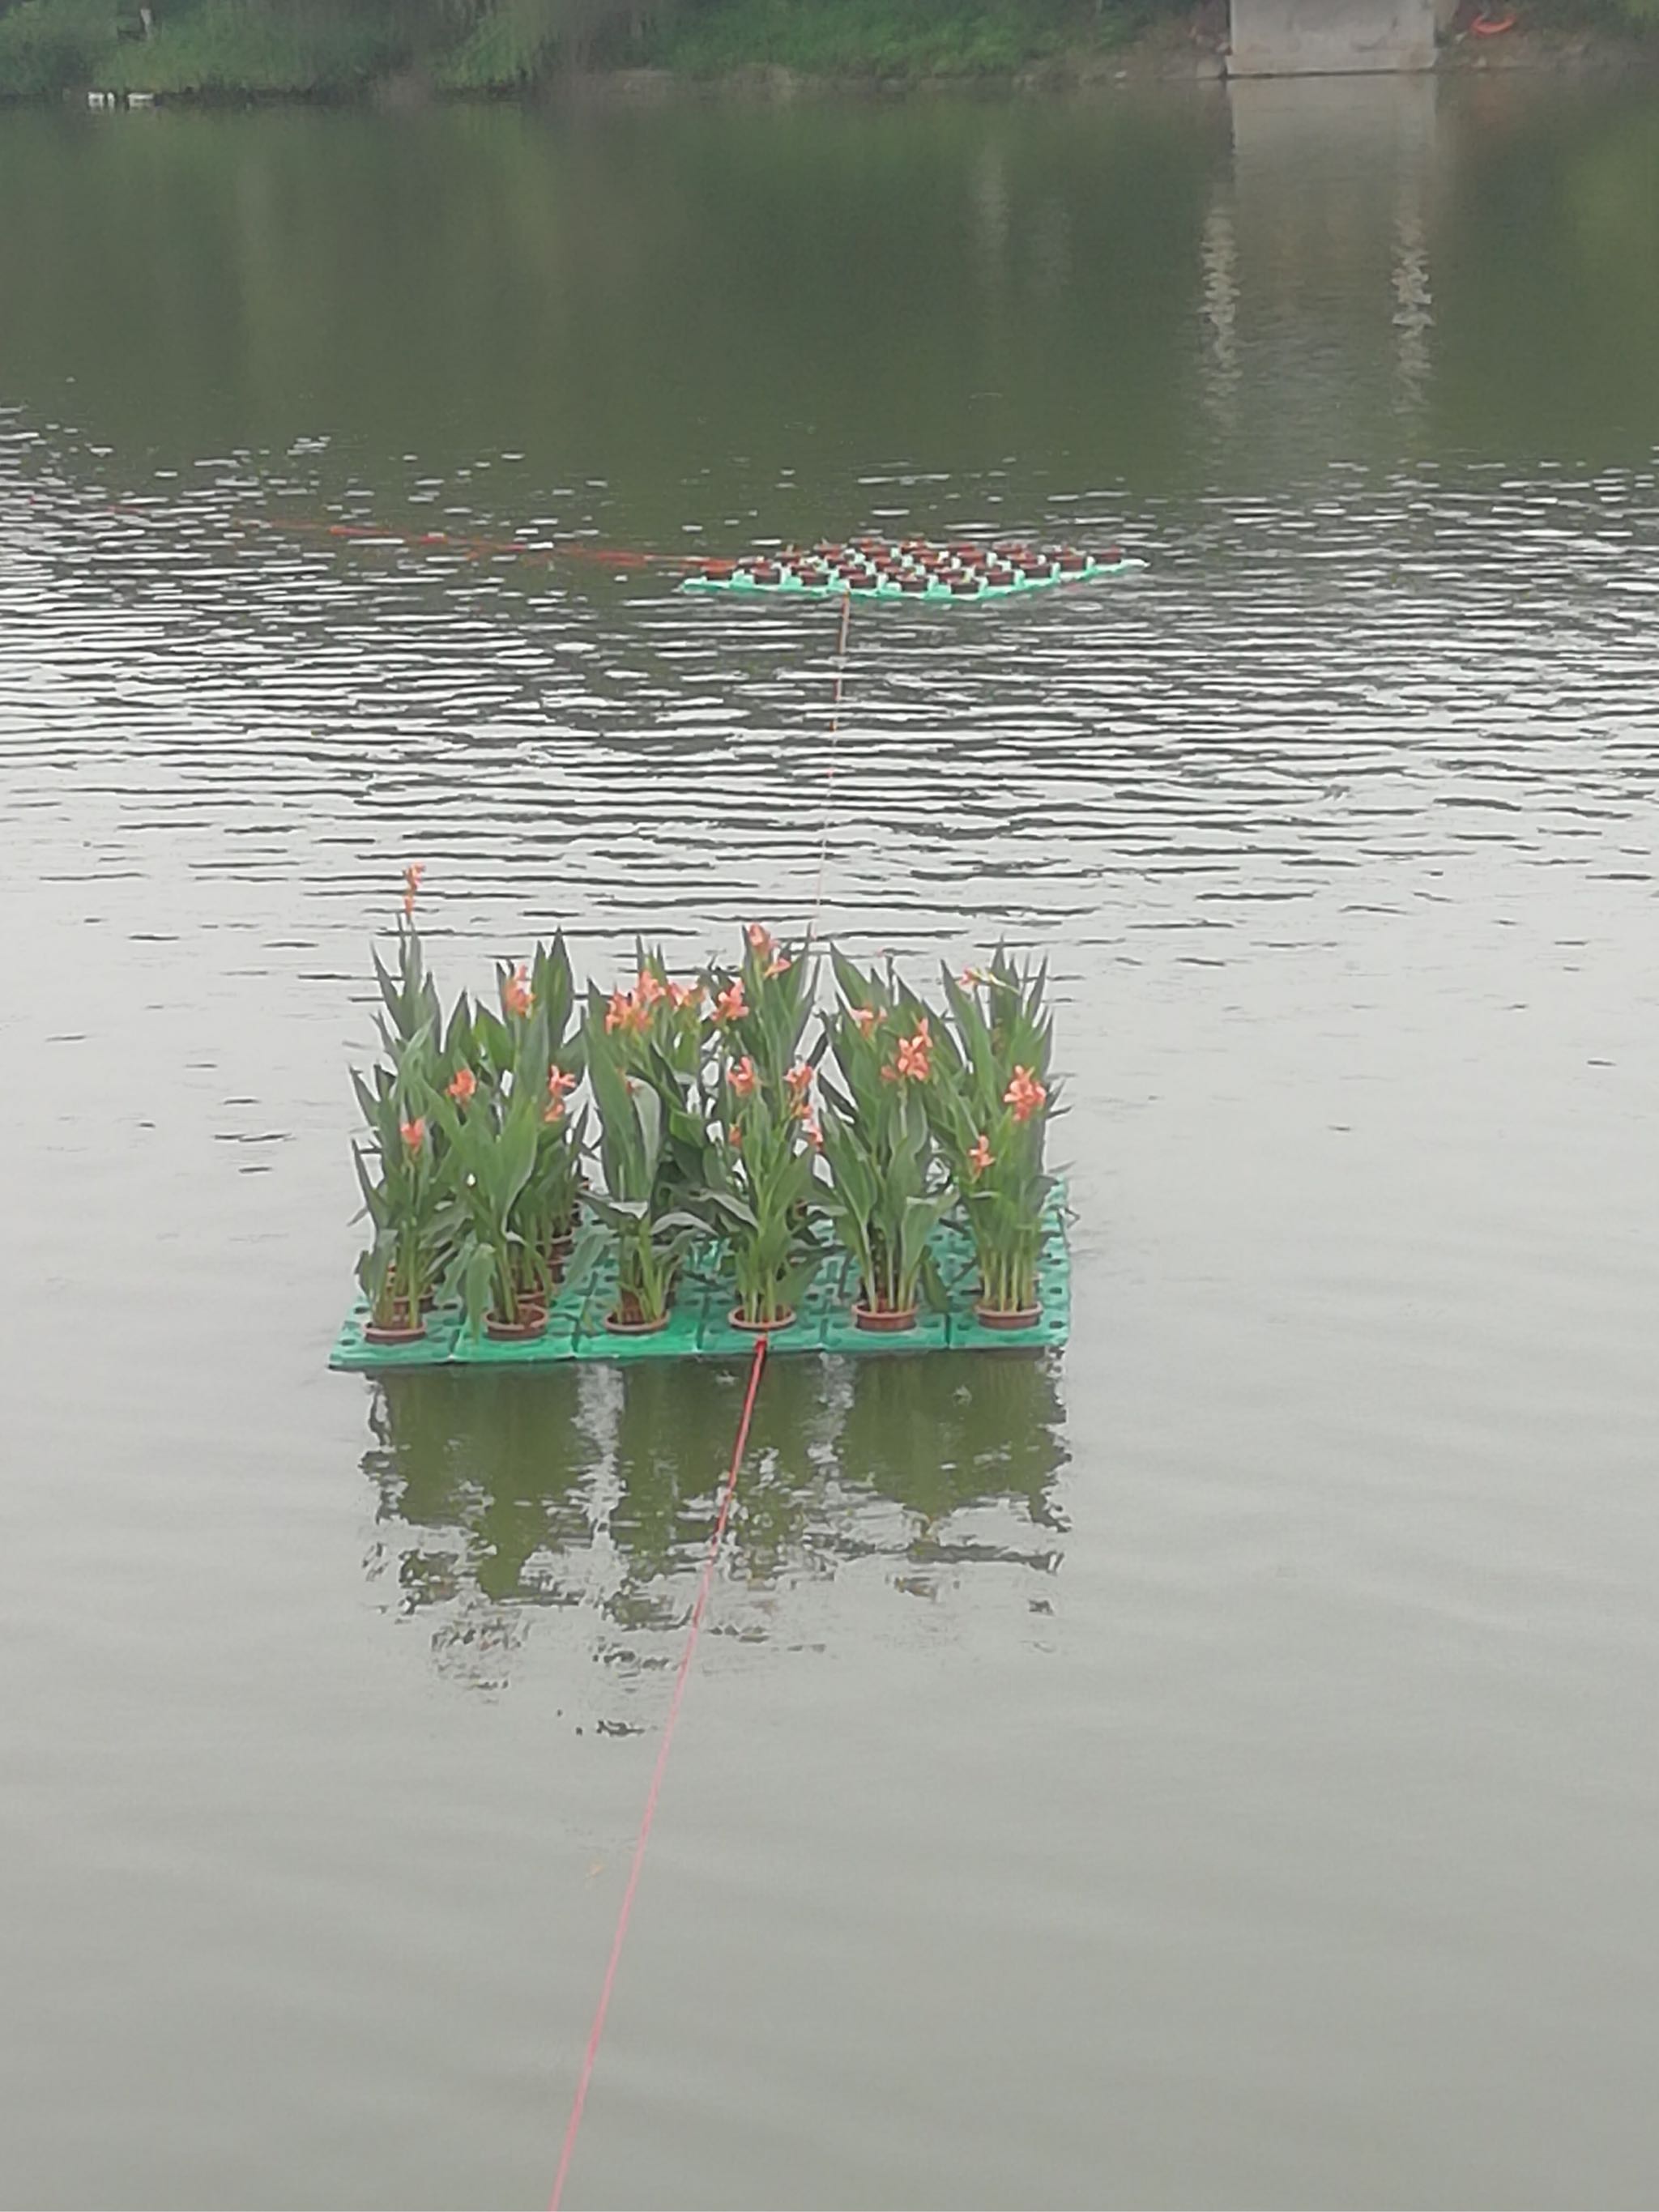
(873, 567)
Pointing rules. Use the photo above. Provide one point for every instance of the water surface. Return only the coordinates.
(1215, 1769)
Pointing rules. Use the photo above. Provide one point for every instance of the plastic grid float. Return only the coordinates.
(700, 1326)
(875, 567)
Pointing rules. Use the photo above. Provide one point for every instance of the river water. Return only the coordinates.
(1217, 1769)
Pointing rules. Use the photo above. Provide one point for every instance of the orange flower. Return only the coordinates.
(412, 875)
(413, 1134)
(814, 1134)
(1025, 1094)
(744, 1077)
(463, 1085)
(799, 1079)
(735, 1136)
(553, 1112)
(760, 940)
(558, 1082)
(517, 997)
(867, 1018)
(649, 989)
(981, 1156)
(682, 995)
(973, 979)
(778, 966)
(729, 1007)
(912, 1054)
(625, 1011)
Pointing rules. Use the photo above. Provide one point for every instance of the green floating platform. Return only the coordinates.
(700, 1326)
(933, 594)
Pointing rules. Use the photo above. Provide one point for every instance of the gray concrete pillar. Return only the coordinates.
(1329, 38)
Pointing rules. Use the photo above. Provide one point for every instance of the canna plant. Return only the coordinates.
(659, 1034)
(887, 1194)
(651, 1238)
(533, 1048)
(990, 1107)
(501, 1279)
(402, 1193)
(764, 1191)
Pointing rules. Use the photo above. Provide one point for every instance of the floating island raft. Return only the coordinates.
(700, 1324)
(910, 568)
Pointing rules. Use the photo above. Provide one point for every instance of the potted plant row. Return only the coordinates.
(512, 1149)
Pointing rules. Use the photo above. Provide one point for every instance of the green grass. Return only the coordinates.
(47, 45)
(878, 38)
(226, 47)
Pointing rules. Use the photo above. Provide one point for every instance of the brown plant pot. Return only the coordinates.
(635, 1328)
(964, 586)
(374, 1333)
(532, 1321)
(884, 1320)
(766, 571)
(1071, 562)
(785, 1320)
(1003, 1317)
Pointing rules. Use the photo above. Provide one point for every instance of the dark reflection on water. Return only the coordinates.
(499, 1495)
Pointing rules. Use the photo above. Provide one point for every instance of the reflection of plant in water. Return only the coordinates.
(494, 1479)
(501, 1466)
(938, 1434)
(669, 1424)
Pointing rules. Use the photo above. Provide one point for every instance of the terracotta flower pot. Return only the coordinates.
(884, 1320)
(635, 1328)
(912, 583)
(1070, 562)
(532, 1322)
(965, 587)
(785, 1320)
(375, 1334)
(766, 571)
(999, 576)
(1003, 1317)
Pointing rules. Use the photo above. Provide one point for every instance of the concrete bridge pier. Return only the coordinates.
(1330, 38)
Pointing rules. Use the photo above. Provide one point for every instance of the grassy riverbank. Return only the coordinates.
(341, 49)
(226, 47)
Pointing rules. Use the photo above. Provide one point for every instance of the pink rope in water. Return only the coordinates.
(650, 1813)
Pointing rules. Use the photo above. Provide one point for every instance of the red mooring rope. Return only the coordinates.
(698, 1605)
